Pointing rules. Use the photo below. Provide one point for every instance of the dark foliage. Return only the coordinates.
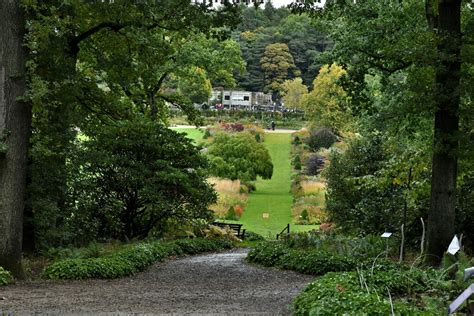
(314, 165)
(321, 138)
(132, 178)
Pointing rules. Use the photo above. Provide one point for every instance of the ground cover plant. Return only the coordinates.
(130, 260)
(356, 276)
(5, 276)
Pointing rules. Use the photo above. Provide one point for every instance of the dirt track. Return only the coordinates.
(206, 284)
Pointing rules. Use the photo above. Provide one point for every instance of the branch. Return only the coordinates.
(402, 64)
(74, 42)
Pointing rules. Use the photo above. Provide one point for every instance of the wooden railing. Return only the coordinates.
(286, 229)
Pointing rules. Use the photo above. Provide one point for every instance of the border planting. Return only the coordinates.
(132, 259)
(352, 285)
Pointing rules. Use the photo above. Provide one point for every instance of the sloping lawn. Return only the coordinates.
(273, 196)
(192, 132)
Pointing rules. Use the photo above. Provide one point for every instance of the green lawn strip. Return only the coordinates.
(192, 133)
(273, 196)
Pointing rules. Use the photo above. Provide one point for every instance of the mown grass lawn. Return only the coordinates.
(272, 196)
(193, 133)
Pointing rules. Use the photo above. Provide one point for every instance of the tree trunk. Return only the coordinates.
(446, 126)
(15, 121)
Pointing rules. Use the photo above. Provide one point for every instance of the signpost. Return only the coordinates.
(386, 235)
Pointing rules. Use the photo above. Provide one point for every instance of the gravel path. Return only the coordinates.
(214, 284)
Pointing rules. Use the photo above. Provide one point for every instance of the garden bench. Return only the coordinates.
(237, 228)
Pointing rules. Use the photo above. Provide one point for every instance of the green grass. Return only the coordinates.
(273, 196)
(192, 133)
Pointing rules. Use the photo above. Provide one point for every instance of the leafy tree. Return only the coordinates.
(135, 176)
(15, 116)
(421, 42)
(239, 156)
(366, 191)
(196, 87)
(326, 104)
(253, 45)
(277, 64)
(118, 63)
(305, 42)
(293, 93)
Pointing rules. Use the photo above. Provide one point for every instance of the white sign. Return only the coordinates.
(386, 235)
(454, 246)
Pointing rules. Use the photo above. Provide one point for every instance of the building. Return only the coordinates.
(241, 100)
(217, 3)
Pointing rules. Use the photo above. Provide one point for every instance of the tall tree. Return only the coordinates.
(293, 93)
(426, 53)
(15, 117)
(441, 221)
(327, 103)
(109, 66)
(278, 65)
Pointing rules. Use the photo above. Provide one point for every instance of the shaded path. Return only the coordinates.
(206, 284)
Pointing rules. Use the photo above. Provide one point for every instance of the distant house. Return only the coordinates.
(217, 3)
(243, 100)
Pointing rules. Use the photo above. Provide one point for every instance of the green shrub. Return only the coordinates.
(207, 134)
(130, 260)
(357, 247)
(267, 253)
(315, 262)
(297, 162)
(251, 236)
(296, 141)
(5, 276)
(321, 138)
(239, 156)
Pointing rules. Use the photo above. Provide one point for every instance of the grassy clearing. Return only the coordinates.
(192, 133)
(273, 196)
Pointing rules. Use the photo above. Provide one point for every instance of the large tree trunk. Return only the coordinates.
(15, 120)
(445, 145)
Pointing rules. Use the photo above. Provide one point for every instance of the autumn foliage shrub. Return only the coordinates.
(234, 127)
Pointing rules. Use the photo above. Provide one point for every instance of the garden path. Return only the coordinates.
(216, 284)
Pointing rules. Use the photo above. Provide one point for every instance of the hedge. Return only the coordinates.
(5, 276)
(314, 262)
(132, 259)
